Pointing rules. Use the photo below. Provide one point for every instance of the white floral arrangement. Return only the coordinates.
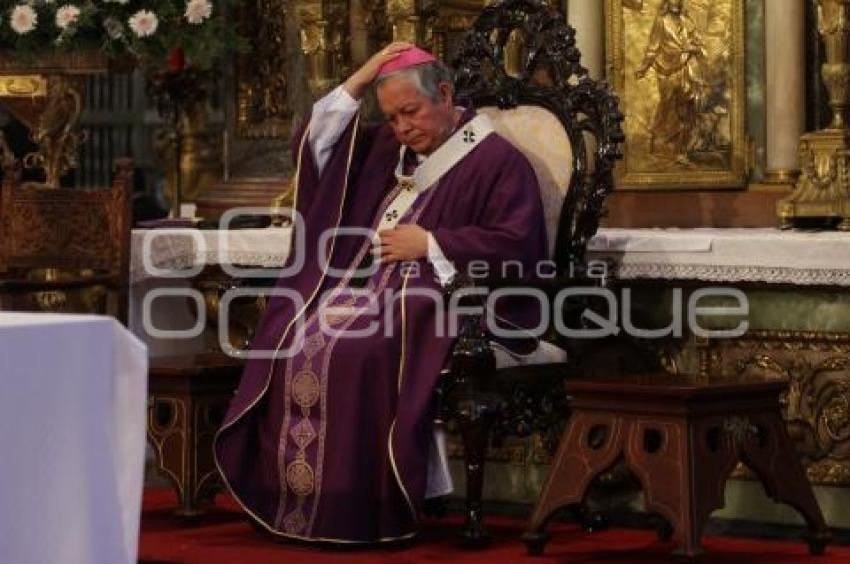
(155, 32)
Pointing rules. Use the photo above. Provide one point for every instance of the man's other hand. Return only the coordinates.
(404, 242)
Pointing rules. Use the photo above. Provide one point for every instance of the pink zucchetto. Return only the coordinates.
(406, 59)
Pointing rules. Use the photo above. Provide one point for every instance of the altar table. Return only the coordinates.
(72, 429)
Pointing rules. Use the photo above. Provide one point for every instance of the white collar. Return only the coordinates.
(447, 155)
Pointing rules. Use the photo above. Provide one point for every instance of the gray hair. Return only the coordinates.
(426, 78)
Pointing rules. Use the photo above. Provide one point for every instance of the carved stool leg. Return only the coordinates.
(658, 452)
(771, 456)
(589, 446)
(170, 431)
(189, 503)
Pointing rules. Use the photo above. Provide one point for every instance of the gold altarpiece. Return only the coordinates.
(679, 68)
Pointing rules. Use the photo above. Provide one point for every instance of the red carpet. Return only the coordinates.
(223, 536)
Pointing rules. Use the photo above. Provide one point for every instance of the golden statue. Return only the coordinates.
(675, 51)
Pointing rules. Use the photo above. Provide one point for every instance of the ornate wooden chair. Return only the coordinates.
(76, 238)
(519, 64)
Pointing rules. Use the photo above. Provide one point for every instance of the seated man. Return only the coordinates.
(329, 440)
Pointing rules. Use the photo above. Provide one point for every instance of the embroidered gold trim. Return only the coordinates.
(300, 477)
(303, 433)
(295, 521)
(305, 388)
(315, 540)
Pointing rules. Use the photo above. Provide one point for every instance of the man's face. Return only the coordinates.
(417, 121)
(676, 7)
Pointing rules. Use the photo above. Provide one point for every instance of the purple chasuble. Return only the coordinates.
(330, 442)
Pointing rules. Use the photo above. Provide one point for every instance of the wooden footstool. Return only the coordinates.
(681, 437)
(187, 399)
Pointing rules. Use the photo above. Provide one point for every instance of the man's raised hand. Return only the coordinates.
(358, 82)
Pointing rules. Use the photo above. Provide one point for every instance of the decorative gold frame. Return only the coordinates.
(720, 167)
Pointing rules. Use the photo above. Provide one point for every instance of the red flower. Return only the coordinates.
(176, 60)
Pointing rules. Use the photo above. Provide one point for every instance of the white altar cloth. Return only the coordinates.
(72, 430)
(171, 249)
(730, 255)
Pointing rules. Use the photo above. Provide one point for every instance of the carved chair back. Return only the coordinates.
(81, 230)
(519, 64)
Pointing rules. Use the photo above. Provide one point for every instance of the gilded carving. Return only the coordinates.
(57, 134)
(46, 95)
(428, 23)
(324, 32)
(245, 312)
(834, 28)
(25, 85)
(262, 110)
(405, 21)
(817, 404)
(167, 435)
(822, 192)
(679, 68)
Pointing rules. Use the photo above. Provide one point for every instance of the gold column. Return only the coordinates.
(586, 17)
(822, 194)
(785, 94)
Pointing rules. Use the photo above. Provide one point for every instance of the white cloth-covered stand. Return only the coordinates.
(187, 249)
(727, 255)
(72, 427)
